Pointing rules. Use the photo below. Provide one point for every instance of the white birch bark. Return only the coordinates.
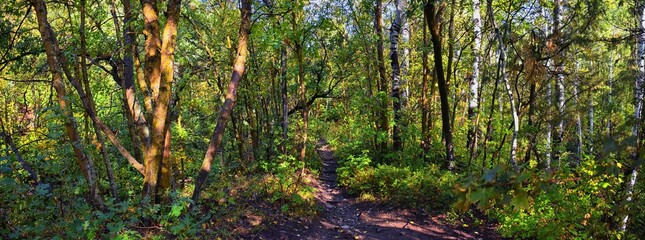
(638, 97)
(509, 92)
(549, 101)
(576, 99)
(395, 31)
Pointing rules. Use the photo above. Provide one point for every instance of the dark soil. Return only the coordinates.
(343, 217)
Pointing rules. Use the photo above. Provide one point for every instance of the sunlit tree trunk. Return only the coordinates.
(395, 31)
(507, 85)
(229, 103)
(161, 77)
(638, 111)
(55, 63)
(434, 16)
(473, 100)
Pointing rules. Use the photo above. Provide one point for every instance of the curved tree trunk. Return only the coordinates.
(55, 63)
(434, 20)
(509, 92)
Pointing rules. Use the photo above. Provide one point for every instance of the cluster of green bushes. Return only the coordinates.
(425, 187)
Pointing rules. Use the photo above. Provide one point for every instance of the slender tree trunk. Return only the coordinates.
(53, 52)
(395, 30)
(229, 103)
(549, 102)
(8, 140)
(509, 92)
(638, 111)
(88, 92)
(578, 117)
(425, 103)
(610, 96)
(285, 100)
(473, 101)
(559, 68)
(383, 119)
(302, 88)
(434, 20)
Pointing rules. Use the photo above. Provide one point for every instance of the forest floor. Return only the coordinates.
(344, 217)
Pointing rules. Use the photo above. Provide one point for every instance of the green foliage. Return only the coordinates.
(424, 187)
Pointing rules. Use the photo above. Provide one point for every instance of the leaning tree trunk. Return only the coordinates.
(231, 94)
(395, 30)
(638, 108)
(434, 16)
(473, 101)
(53, 52)
(509, 92)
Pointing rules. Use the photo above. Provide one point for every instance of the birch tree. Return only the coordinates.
(639, 86)
(395, 31)
(509, 92)
(473, 100)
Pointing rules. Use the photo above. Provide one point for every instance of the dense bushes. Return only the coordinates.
(423, 187)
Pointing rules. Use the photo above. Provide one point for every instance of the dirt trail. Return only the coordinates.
(345, 218)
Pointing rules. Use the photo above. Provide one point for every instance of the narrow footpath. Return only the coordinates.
(344, 217)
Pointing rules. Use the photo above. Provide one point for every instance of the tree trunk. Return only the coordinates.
(425, 103)
(610, 95)
(473, 101)
(509, 92)
(559, 68)
(638, 108)
(395, 30)
(51, 48)
(578, 117)
(88, 92)
(382, 86)
(549, 102)
(285, 100)
(8, 140)
(434, 21)
(302, 87)
(229, 103)
(161, 94)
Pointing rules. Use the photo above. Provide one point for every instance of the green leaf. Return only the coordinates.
(175, 211)
(520, 200)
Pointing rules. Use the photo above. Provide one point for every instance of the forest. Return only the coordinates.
(322, 119)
